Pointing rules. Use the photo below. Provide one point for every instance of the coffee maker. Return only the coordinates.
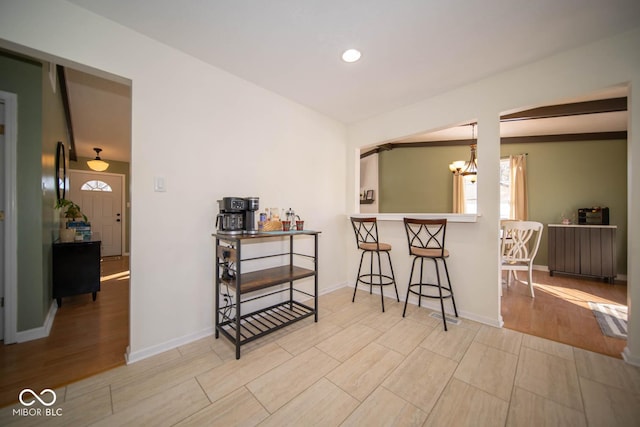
(230, 220)
(237, 215)
(252, 205)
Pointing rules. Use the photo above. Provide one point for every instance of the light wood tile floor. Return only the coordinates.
(359, 367)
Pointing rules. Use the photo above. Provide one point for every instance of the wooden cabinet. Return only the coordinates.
(585, 250)
(76, 269)
(238, 315)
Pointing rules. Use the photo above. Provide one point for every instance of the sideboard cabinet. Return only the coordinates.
(585, 250)
(76, 269)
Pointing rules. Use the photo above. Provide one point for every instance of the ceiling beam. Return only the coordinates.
(609, 105)
(574, 109)
(64, 92)
(565, 137)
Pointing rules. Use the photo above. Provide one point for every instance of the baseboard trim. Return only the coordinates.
(618, 278)
(629, 358)
(136, 356)
(42, 331)
(435, 306)
(333, 288)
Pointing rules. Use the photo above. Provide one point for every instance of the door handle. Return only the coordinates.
(118, 220)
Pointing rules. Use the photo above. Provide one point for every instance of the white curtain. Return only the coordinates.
(458, 193)
(519, 198)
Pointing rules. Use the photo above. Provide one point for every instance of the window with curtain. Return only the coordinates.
(513, 188)
(470, 195)
(505, 188)
(465, 194)
(458, 193)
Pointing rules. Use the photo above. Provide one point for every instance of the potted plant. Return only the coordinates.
(71, 213)
(72, 210)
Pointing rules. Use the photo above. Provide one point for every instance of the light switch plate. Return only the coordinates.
(159, 184)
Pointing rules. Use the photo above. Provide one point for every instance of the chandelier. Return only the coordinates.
(471, 167)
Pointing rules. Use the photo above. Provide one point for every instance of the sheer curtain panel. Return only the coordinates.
(519, 197)
(458, 193)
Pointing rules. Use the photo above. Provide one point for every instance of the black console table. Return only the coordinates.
(76, 269)
(232, 286)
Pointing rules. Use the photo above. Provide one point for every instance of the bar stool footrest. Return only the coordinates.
(368, 279)
(446, 292)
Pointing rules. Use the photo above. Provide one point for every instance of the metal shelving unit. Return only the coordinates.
(234, 288)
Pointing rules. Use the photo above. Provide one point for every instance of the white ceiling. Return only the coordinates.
(411, 49)
(101, 116)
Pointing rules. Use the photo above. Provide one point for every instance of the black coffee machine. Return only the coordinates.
(237, 215)
(250, 215)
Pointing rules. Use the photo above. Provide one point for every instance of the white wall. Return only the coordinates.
(369, 181)
(209, 134)
(474, 260)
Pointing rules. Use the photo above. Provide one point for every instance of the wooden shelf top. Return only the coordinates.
(263, 234)
(262, 279)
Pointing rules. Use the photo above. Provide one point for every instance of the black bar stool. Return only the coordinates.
(426, 241)
(366, 231)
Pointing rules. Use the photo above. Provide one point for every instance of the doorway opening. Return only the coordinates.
(564, 173)
(115, 268)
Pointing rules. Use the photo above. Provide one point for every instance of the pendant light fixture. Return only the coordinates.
(471, 167)
(460, 167)
(97, 164)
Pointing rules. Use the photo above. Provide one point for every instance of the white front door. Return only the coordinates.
(102, 205)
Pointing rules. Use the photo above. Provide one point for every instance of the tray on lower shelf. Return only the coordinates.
(261, 322)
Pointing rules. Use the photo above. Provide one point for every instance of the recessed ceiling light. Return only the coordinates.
(351, 55)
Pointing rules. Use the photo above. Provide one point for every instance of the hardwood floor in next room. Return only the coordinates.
(560, 310)
(86, 338)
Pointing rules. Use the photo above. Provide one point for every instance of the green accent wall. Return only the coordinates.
(566, 176)
(563, 177)
(417, 179)
(40, 127)
(24, 78)
(54, 129)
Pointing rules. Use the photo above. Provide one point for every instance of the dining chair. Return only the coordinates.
(502, 234)
(426, 242)
(519, 246)
(366, 232)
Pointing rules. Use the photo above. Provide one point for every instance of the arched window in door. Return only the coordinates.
(96, 185)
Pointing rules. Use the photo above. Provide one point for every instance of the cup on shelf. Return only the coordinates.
(286, 225)
(299, 225)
